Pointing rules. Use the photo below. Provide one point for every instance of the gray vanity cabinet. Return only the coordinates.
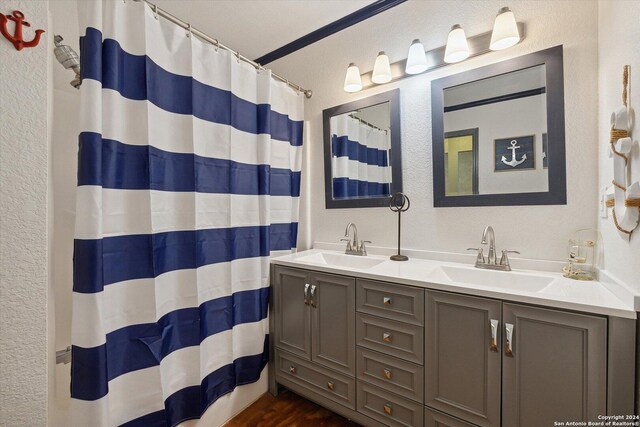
(385, 354)
(291, 312)
(462, 357)
(314, 317)
(551, 365)
(332, 322)
(557, 367)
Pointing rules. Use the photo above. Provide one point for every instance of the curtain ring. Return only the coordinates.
(217, 45)
(238, 56)
(188, 30)
(155, 11)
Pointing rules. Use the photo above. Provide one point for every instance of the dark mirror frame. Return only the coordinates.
(557, 193)
(393, 98)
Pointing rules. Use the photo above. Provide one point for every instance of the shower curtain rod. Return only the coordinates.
(353, 116)
(161, 12)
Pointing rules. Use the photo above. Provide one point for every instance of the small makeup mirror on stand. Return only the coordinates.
(399, 202)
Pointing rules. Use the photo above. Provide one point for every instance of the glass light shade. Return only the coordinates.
(381, 69)
(352, 81)
(505, 30)
(457, 47)
(416, 59)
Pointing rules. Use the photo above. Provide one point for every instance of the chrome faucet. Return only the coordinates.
(491, 262)
(354, 247)
(488, 231)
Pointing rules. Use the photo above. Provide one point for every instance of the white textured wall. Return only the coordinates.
(537, 231)
(23, 224)
(618, 42)
(64, 139)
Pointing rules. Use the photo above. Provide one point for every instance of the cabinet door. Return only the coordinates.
(556, 367)
(333, 321)
(292, 316)
(462, 360)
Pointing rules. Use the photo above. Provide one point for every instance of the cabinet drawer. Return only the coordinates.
(337, 387)
(391, 373)
(390, 337)
(433, 418)
(396, 302)
(388, 408)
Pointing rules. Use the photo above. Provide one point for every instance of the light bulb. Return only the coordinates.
(416, 59)
(457, 47)
(352, 81)
(505, 30)
(381, 69)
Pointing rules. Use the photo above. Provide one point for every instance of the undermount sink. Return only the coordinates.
(493, 279)
(342, 260)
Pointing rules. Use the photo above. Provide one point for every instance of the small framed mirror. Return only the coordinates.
(498, 134)
(362, 164)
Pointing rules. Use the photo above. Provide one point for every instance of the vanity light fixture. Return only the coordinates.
(457, 47)
(505, 30)
(506, 33)
(352, 81)
(416, 59)
(381, 69)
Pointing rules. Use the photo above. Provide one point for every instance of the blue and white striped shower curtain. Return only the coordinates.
(188, 180)
(360, 159)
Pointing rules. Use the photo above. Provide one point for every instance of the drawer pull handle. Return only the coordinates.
(386, 300)
(494, 335)
(388, 409)
(387, 373)
(306, 293)
(386, 337)
(331, 385)
(292, 369)
(508, 347)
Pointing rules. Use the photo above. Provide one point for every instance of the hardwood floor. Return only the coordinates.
(287, 410)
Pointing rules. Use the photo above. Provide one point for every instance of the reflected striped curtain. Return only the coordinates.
(188, 180)
(359, 159)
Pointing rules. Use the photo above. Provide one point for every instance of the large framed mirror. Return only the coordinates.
(362, 163)
(498, 134)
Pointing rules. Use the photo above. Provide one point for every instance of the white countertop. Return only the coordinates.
(587, 296)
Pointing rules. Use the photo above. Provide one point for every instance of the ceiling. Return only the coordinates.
(257, 27)
(254, 27)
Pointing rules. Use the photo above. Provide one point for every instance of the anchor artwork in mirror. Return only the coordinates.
(515, 153)
(498, 134)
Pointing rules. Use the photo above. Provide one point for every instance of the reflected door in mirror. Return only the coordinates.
(461, 162)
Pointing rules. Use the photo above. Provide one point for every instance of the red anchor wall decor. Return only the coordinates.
(16, 38)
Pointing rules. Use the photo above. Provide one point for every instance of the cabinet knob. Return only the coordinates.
(292, 369)
(388, 409)
(330, 385)
(386, 337)
(386, 300)
(387, 373)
